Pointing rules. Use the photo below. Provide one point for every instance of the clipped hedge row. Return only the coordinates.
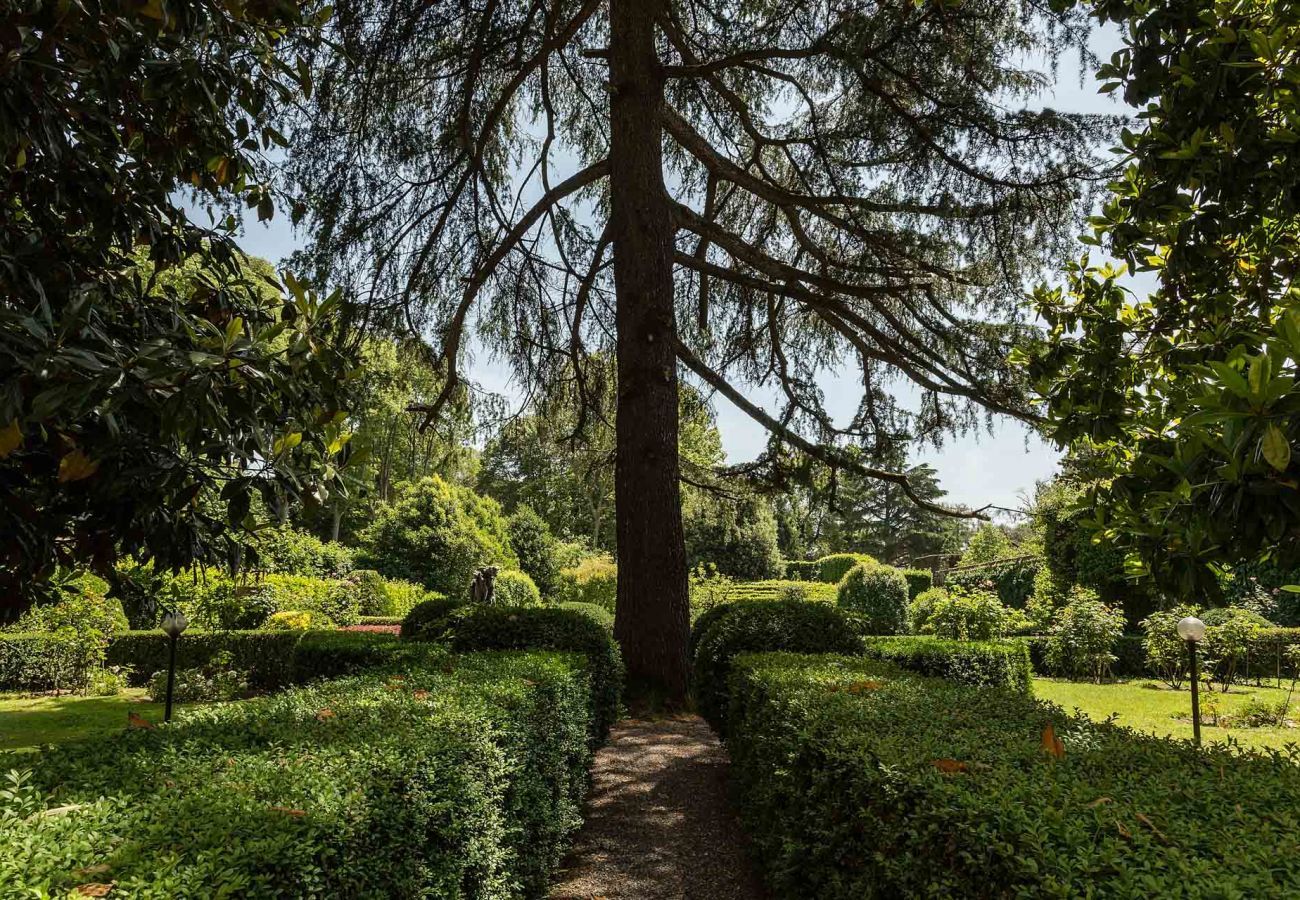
(816, 591)
(918, 581)
(854, 782)
(735, 628)
(458, 777)
(802, 569)
(834, 567)
(1003, 664)
(273, 659)
(477, 628)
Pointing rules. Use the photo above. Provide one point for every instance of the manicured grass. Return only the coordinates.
(1152, 706)
(28, 722)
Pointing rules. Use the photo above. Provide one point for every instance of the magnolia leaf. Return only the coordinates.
(11, 438)
(1276, 448)
(76, 466)
(1052, 745)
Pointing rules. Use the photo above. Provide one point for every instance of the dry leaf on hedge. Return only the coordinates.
(1145, 820)
(1124, 832)
(97, 869)
(1052, 745)
(421, 694)
(135, 720)
(1098, 802)
(94, 889)
(324, 713)
(289, 811)
(76, 466)
(949, 766)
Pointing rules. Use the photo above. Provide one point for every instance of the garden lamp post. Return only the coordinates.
(173, 624)
(1192, 630)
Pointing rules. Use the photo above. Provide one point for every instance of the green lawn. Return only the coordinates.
(28, 722)
(1151, 706)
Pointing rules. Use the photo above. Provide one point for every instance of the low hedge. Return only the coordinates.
(273, 659)
(478, 628)
(427, 620)
(802, 569)
(1130, 658)
(831, 569)
(790, 625)
(855, 783)
(1002, 664)
(460, 778)
(816, 591)
(598, 613)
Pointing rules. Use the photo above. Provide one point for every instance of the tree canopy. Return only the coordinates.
(1180, 407)
(128, 391)
(754, 192)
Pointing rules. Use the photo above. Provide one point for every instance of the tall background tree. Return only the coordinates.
(130, 391)
(1181, 407)
(754, 191)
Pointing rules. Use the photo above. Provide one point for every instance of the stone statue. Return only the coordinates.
(483, 587)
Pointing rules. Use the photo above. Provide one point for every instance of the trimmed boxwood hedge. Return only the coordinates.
(802, 569)
(790, 625)
(856, 783)
(816, 591)
(459, 777)
(428, 619)
(592, 611)
(477, 628)
(1003, 664)
(918, 581)
(834, 567)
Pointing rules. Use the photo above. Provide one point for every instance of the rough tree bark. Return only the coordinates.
(653, 613)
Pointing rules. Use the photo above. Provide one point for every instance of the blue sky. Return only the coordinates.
(997, 466)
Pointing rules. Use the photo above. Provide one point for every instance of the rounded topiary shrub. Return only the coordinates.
(437, 534)
(831, 569)
(426, 619)
(515, 588)
(877, 597)
(760, 626)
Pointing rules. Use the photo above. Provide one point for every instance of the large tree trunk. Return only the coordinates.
(653, 615)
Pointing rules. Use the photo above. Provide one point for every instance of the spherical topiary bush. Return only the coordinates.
(515, 588)
(831, 569)
(425, 621)
(877, 596)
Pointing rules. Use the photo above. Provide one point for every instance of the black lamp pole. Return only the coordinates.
(1196, 694)
(171, 674)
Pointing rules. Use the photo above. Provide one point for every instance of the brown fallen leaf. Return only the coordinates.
(862, 687)
(949, 766)
(1123, 832)
(289, 811)
(135, 720)
(94, 889)
(76, 466)
(1052, 745)
(1098, 802)
(324, 713)
(97, 869)
(1145, 820)
(421, 694)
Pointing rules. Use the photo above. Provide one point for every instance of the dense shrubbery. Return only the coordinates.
(750, 627)
(593, 580)
(287, 551)
(437, 534)
(1003, 664)
(1165, 651)
(857, 783)
(834, 567)
(918, 581)
(475, 628)
(515, 588)
(963, 615)
(61, 646)
(426, 620)
(216, 680)
(877, 597)
(461, 777)
(1011, 580)
(739, 537)
(1083, 638)
(535, 546)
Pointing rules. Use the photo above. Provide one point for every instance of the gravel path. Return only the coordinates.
(658, 824)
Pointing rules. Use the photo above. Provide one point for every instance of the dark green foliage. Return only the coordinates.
(1012, 580)
(834, 759)
(918, 582)
(534, 545)
(737, 536)
(834, 567)
(125, 396)
(788, 625)
(802, 570)
(598, 614)
(477, 628)
(426, 620)
(703, 622)
(1207, 203)
(358, 787)
(1003, 664)
(437, 534)
(876, 595)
